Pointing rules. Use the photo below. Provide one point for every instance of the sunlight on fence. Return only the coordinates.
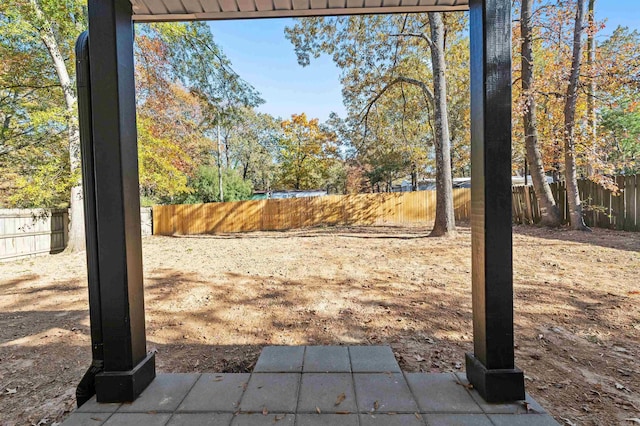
(292, 213)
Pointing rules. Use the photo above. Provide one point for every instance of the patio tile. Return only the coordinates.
(322, 390)
(216, 392)
(92, 406)
(164, 394)
(528, 406)
(200, 419)
(457, 420)
(327, 420)
(391, 420)
(441, 393)
(277, 392)
(280, 359)
(326, 359)
(373, 359)
(523, 420)
(258, 419)
(86, 419)
(129, 419)
(383, 393)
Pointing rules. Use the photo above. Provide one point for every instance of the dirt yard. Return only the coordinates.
(213, 301)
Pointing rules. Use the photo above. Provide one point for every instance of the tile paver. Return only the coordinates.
(374, 395)
(138, 419)
(215, 392)
(330, 393)
(441, 393)
(200, 419)
(523, 420)
(262, 420)
(383, 392)
(373, 359)
(92, 406)
(86, 419)
(457, 419)
(326, 419)
(326, 359)
(277, 392)
(528, 406)
(391, 420)
(164, 394)
(280, 359)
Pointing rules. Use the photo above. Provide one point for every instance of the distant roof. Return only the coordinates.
(190, 10)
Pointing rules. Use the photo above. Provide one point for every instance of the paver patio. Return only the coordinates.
(313, 386)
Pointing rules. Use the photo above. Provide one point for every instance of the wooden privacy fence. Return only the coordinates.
(602, 208)
(291, 213)
(30, 232)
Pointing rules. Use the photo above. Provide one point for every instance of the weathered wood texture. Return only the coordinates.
(602, 207)
(31, 232)
(292, 213)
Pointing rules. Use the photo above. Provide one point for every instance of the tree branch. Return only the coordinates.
(417, 35)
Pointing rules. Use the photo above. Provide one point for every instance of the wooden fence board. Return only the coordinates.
(601, 207)
(292, 213)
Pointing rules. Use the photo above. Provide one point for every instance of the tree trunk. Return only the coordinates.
(573, 197)
(445, 224)
(591, 98)
(220, 184)
(45, 31)
(549, 212)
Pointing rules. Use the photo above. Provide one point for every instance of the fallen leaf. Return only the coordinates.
(318, 410)
(633, 420)
(265, 411)
(343, 412)
(418, 416)
(376, 405)
(418, 358)
(340, 398)
(619, 386)
(568, 422)
(11, 391)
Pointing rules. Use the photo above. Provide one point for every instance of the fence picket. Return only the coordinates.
(601, 209)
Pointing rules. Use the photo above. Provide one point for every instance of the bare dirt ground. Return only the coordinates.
(213, 301)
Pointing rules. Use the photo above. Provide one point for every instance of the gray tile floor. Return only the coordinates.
(312, 386)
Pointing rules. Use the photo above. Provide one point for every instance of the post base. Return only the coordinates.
(126, 386)
(499, 385)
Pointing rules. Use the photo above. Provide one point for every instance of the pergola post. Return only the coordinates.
(127, 368)
(491, 367)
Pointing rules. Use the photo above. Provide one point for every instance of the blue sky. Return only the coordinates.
(262, 55)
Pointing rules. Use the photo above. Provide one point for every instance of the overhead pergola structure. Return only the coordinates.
(114, 250)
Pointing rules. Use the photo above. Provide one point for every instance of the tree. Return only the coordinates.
(382, 58)
(550, 214)
(445, 223)
(205, 186)
(306, 153)
(57, 26)
(252, 147)
(203, 68)
(591, 95)
(573, 196)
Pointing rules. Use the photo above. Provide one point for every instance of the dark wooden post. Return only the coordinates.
(128, 369)
(491, 367)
